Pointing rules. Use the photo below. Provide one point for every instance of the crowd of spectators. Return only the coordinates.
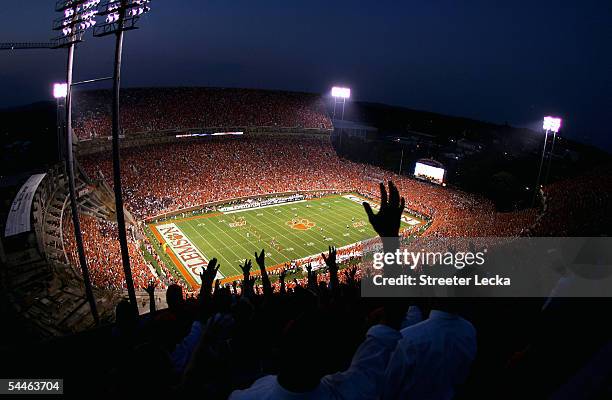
(158, 179)
(101, 242)
(318, 339)
(159, 109)
(577, 206)
(176, 176)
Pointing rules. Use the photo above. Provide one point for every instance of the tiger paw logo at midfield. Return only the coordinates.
(301, 224)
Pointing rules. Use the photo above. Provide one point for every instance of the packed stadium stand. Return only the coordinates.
(163, 109)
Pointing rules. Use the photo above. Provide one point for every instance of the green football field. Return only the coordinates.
(287, 232)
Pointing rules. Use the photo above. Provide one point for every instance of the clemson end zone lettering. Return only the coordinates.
(185, 251)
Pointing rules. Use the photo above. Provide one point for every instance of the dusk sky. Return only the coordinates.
(513, 62)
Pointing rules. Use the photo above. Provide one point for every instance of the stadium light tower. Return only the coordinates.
(121, 15)
(78, 16)
(553, 124)
(60, 90)
(550, 124)
(340, 95)
(399, 171)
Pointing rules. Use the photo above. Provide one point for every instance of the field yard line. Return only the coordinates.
(238, 243)
(210, 244)
(255, 243)
(339, 212)
(207, 230)
(334, 223)
(334, 226)
(311, 234)
(334, 229)
(267, 249)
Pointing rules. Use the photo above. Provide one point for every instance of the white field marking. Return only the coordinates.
(235, 241)
(275, 224)
(315, 264)
(210, 244)
(260, 207)
(255, 243)
(312, 234)
(187, 253)
(284, 236)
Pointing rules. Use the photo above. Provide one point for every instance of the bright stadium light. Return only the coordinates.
(120, 15)
(340, 95)
(552, 124)
(60, 90)
(77, 17)
(341, 92)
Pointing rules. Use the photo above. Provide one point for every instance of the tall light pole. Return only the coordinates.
(60, 90)
(340, 95)
(398, 140)
(78, 17)
(121, 15)
(401, 161)
(550, 124)
(554, 124)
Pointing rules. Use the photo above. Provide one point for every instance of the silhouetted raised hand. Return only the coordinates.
(332, 265)
(330, 260)
(150, 289)
(248, 281)
(260, 259)
(312, 277)
(265, 280)
(246, 268)
(207, 277)
(388, 219)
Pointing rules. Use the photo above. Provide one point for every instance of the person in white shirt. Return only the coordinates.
(302, 374)
(432, 358)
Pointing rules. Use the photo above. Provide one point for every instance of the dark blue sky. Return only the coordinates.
(511, 62)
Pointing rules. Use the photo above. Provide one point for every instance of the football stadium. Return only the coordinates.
(216, 238)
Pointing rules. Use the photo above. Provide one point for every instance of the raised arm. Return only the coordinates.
(265, 280)
(332, 266)
(150, 289)
(247, 282)
(207, 277)
(388, 219)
